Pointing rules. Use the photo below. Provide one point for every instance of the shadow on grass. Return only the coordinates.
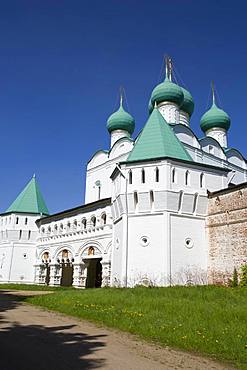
(42, 347)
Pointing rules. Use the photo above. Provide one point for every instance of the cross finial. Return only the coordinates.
(168, 68)
(155, 104)
(121, 95)
(213, 91)
(34, 176)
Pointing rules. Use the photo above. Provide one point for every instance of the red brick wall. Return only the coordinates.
(227, 234)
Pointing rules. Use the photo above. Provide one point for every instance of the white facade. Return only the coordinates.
(142, 223)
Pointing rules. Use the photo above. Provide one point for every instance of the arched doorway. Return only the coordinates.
(92, 258)
(66, 264)
(94, 273)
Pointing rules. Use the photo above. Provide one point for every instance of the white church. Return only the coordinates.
(146, 201)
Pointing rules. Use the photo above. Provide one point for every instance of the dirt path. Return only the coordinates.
(31, 338)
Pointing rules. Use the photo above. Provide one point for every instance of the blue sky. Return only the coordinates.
(61, 65)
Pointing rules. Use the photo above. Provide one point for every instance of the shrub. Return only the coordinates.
(243, 276)
(234, 278)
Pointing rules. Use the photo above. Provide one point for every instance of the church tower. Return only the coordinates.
(174, 102)
(120, 124)
(18, 234)
(215, 122)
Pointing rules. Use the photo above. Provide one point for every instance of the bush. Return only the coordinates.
(243, 276)
(234, 278)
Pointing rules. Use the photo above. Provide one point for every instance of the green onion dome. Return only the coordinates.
(214, 118)
(188, 103)
(167, 91)
(121, 120)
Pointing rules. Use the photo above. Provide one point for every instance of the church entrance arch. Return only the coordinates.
(66, 265)
(94, 273)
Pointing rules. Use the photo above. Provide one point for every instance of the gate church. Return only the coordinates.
(144, 220)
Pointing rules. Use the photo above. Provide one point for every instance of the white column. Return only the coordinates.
(80, 274)
(106, 273)
(55, 275)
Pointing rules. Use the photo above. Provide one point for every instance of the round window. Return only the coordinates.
(189, 243)
(144, 241)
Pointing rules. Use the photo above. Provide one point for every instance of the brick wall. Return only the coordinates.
(227, 233)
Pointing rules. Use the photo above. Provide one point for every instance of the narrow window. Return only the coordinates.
(157, 175)
(130, 177)
(143, 176)
(84, 223)
(29, 234)
(93, 220)
(135, 199)
(26, 221)
(20, 234)
(103, 219)
(151, 199)
(187, 178)
(17, 220)
(201, 180)
(173, 175)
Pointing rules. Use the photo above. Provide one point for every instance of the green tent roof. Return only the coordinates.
(30, 200)
(157, 140)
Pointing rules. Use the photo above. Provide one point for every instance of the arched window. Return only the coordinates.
(16, 221)
(157, 175)
(103, 218)
(61, 228)
(20, 234)
(135, 200)
(84, 223)
(143, 176)
(26, 221)
(68, 226)
(174, 175)
(187, 178)
(29, 234)
(49, 230)
(75, 225)
(130, 177)
(55, 229)
(201, 180)
(93, 221)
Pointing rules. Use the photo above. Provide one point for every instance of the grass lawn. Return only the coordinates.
(208, 320)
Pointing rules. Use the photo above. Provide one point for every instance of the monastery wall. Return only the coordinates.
(227, 233)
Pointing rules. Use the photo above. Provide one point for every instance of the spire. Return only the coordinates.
(121, 97)
(30, 200)
(213, 92)
(168, 62)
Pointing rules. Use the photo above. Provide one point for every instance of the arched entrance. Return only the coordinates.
(67, 268)
(94, 273)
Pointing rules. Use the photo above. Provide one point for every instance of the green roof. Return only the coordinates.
(215, 117)
(188, 103)
(167, 91)
(30, 200)
(157, 140)
(121, 120)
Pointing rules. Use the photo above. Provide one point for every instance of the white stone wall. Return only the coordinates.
(18, 236)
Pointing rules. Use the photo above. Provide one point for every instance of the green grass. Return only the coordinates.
(208, 320)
